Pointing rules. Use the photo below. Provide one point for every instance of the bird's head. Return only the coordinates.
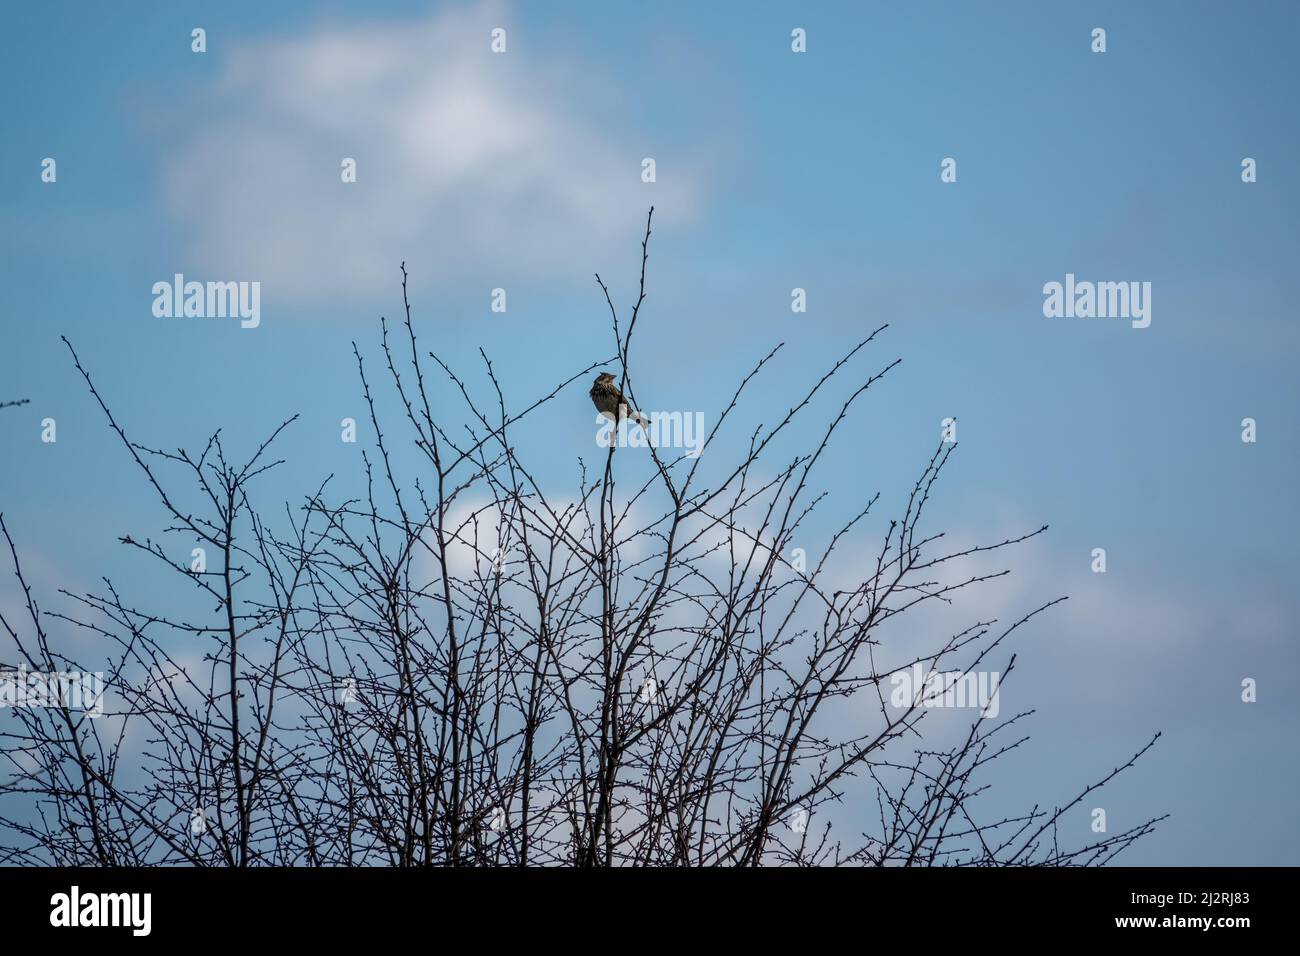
(604, 378)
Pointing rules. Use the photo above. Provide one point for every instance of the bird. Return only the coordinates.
(609, 401)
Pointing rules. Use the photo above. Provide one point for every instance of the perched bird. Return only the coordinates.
(609, 401)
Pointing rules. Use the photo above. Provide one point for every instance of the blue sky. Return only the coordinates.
(774, 171)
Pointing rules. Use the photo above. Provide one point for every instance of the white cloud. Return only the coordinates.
(1134, 649)
(468, 161)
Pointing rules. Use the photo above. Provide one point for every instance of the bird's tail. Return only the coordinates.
(633, 415)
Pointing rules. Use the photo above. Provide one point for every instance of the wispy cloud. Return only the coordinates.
(468, 162)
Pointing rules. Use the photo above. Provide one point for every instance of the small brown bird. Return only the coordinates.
(609, 401)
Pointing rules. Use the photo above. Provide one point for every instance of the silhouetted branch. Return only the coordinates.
(459, 666)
